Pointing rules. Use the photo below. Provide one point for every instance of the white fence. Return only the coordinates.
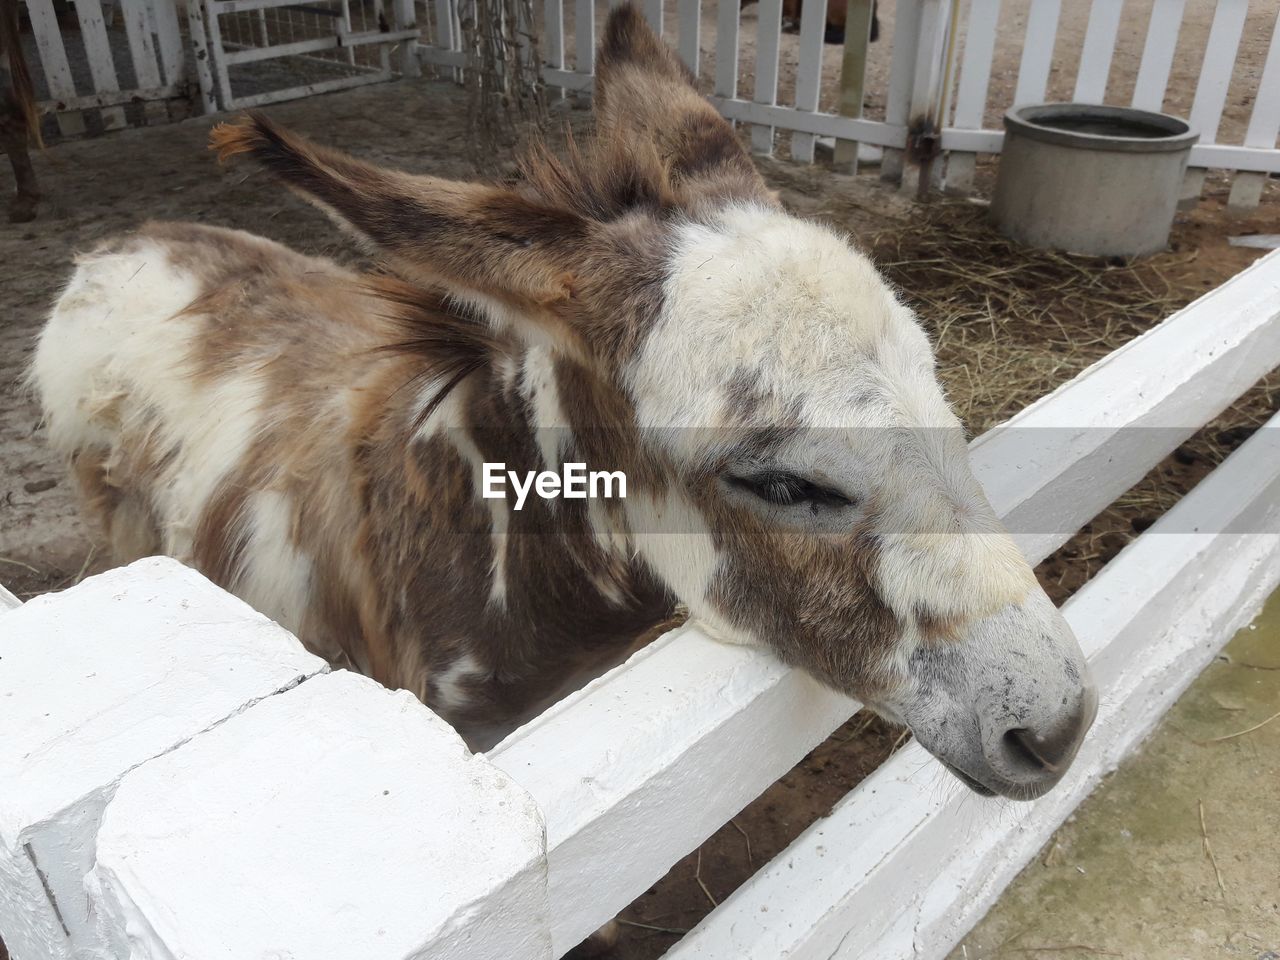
(204, 789)
(938, 108)
(934, 67)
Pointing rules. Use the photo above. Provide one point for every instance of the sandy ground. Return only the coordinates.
(1177, 855)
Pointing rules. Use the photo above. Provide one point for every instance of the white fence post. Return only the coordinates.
(1157, 54)
(971, 96)
(853, 79)
(768, 49)
(1095, 55)
(809, 80)
(1264, 125)
(1211, 89)
(927, 110)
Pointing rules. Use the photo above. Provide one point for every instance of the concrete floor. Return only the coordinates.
(1176, 856)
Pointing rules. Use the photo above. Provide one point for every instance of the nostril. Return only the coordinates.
(1020, 747)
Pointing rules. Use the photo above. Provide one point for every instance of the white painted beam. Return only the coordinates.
(337, 819)
(95, 681)
(652, 750)
(910, 860)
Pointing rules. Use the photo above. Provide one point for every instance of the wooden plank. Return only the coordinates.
(200, 56)
(768, 49)
(813, 21)
(1157, 54)
(728, 13)
(821, 124)
(928, 90)
(853, 78)
(217, 54)
(653, 13)
(584, 37)
(142, 50)
(53, 61)
(164, 14)
(553, 34)
(971, 95)
(447, 37)
(349, 40)
(906, 38)
(1099, 46)
(94, 101)
(686, 701)
(1149, 622)
(307, 90)
(406, 18)
(102, 67)
(689, 20)
(1215, 78)
(1037, 51)
(1264, 126)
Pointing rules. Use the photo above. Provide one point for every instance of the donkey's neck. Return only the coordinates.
(493, 612)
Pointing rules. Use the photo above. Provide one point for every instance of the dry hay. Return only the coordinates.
(1011, 324)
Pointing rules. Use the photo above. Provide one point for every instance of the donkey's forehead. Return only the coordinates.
(780, 315)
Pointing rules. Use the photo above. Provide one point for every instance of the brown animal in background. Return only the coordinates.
(19, 119)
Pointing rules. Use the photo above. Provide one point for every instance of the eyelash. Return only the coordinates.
(787, 489)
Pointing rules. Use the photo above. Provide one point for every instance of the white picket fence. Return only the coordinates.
(182, 780)
(937, 104)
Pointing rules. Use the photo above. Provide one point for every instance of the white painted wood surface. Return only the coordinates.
(1037, 51)
(1215, 78)
(97, 49)
(584, 30)
(689, 43)
(813, 19)
(96, 680)
(910, 860)
(728, 14)
(975, 80)
(335, 819)
(897, 104)
(53, 61)
(1264, 126)
(1157, 54)
(1099, 45)
(653, 13)
(768, 46)
(679, 705)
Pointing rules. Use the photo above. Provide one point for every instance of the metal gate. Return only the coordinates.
(264, 51)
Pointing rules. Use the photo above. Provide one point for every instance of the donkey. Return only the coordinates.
(315, 440)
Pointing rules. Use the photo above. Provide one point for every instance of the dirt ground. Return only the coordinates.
(99, 187)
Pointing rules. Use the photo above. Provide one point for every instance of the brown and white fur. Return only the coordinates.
(312, 438)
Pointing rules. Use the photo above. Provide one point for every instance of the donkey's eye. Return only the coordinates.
(786, 489)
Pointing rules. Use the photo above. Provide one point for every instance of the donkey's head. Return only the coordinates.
(796, 475)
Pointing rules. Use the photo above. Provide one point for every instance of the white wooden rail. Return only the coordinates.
(154, 722)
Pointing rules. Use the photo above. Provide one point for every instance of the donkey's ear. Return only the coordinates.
(644, 92)
(473, 238)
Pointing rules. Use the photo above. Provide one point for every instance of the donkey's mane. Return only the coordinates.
(448, 340)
